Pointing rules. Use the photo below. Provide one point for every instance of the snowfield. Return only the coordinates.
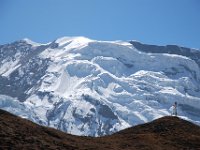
(94, 88)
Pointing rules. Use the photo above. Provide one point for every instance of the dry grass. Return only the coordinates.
(165, 133)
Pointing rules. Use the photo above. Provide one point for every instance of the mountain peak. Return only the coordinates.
(77, 39)
(95, 88)
(28, 41)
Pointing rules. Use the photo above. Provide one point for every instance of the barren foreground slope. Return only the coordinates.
(164, 133)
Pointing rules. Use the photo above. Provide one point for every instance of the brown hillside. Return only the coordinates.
(170, 133)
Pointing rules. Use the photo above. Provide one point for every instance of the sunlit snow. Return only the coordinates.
(100, 87)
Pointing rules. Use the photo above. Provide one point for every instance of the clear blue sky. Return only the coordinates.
(149, 21)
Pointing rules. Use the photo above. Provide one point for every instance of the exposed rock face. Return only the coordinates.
(169, 49)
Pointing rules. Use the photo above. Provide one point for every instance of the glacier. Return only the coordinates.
(95, 88)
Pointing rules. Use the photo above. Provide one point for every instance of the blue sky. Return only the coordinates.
(158, 22)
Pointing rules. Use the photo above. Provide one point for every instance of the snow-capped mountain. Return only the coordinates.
(87, 87)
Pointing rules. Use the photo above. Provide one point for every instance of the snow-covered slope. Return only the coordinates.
(88, 87)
